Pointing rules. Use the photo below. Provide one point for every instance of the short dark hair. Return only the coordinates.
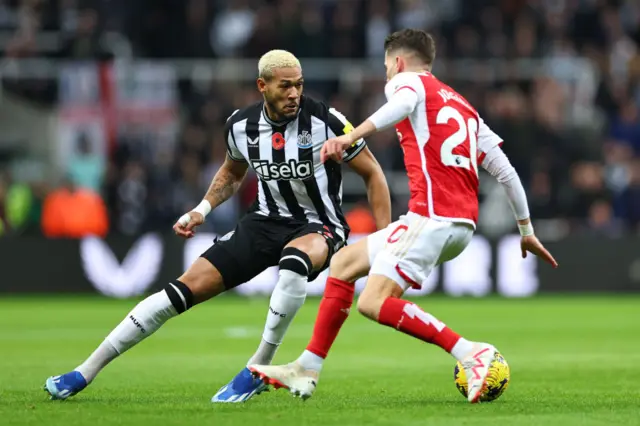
(417, 41)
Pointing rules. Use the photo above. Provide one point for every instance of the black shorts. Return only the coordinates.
(256, 244)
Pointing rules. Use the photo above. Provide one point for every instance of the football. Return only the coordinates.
(497, 380)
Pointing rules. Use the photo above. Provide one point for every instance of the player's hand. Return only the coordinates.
(334, 147)
(531, 244)
(185, 227)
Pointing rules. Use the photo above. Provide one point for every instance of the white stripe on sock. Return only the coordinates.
(184, 301)
(301, 260)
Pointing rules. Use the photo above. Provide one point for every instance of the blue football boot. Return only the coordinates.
(241, 388)
(62, 387)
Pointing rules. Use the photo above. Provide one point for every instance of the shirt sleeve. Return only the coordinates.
(338, 126)
(398, 107)
(405, 81)
(232, 148)
(497, 164)
(487, 140)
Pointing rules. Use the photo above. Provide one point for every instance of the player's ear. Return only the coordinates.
(262, 85)
(400, 63)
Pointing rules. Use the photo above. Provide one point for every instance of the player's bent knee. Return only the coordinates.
(346, 265)
(339, 264)
(296, 260)
(370, 302)
(378, 289)
(314, 247)
(203, 280)
(369, 305)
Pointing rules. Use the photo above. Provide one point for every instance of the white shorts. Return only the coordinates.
(408, 249)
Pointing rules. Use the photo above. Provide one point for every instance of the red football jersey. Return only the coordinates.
(443, 140)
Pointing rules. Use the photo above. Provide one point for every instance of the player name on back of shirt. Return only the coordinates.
(448, 95)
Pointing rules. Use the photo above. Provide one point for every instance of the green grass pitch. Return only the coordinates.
(574, 361)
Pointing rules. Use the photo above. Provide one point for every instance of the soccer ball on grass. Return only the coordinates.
(497, 379)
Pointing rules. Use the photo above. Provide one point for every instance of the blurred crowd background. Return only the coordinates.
(89, 146)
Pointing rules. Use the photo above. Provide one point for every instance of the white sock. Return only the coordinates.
(310, 361)
(140, 323)
(265, 353)
(461, 349)
(286, 300)
(103, 355)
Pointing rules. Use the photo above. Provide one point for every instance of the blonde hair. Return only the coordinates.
(276, 59)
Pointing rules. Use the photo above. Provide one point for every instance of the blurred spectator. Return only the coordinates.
(360, 219)
(197, 43)
(18, 206)
(16, 202)
(86, 168)
(71, 212)
(601, 220)
(85, 42)
(587, 188)
(130, 210)
(626, 127)
(541, 196)
(233, 27)
(188, 190)
(309, 39)
(346, 35)
(378, 27)
(262, 37)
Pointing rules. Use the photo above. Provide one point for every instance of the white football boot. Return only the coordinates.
(476, 368)
(300, 381)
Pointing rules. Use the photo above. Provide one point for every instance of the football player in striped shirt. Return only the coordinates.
(296, 222)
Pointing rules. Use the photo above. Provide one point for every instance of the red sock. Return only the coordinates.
(333, 312)
(410, 319)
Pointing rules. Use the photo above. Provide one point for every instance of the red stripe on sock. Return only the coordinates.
(408, 318)
(333, 312)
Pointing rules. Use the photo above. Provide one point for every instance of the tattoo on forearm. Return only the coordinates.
(222, 188)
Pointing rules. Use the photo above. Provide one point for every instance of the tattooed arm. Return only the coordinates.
(223, 185)
(226, 182)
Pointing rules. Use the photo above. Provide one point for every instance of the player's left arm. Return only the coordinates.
(362, 161)
(497, 164)
(493, 159)
(402, 101)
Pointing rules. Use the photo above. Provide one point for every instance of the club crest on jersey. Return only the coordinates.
(291, 170)
(304, 140)
(277, 141)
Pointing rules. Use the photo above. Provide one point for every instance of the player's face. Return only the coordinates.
(282, 92)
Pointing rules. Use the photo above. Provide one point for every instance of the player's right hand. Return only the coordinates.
(185, 227)
(531, 244)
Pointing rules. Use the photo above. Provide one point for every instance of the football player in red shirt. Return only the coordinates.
(444, 140)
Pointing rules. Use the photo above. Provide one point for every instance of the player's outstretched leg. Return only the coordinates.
(201, 282)
(380, 301)
(286, 299)
(297, 261)
(301, 377)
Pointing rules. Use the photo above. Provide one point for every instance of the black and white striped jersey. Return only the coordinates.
(286, 158)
